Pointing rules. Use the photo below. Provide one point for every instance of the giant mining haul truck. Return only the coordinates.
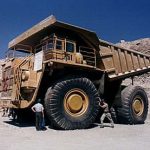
(71, 69)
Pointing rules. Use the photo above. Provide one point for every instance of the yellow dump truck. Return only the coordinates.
(71, 69)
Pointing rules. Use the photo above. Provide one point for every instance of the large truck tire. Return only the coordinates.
(134, 106)
(72, 103)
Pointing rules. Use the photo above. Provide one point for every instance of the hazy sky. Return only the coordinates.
(112, 20)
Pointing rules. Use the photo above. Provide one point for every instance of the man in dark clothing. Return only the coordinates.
(106, 114)
(39, 112)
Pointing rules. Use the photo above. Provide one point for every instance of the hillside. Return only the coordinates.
(141, 45)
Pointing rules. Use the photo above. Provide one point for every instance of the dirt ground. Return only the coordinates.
(122, 137)
(15, 136)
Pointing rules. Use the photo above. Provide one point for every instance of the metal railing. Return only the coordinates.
(89, 55)
(55, 48)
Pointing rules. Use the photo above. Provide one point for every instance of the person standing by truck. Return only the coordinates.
(106, 114)
(39, 113)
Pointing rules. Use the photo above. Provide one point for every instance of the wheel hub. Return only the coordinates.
(76, 102)
(138, 106)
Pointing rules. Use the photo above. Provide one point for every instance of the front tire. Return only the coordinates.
(72, 103)
(134, 105)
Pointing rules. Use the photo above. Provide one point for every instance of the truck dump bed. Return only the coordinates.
(122, 63)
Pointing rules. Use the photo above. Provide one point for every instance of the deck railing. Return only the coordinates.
(89, 55)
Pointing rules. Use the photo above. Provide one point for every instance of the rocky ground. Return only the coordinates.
(141, 45)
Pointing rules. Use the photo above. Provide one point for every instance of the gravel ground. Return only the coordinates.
(122, 137)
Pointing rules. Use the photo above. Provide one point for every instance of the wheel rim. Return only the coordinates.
(76, 102)
(138, 106)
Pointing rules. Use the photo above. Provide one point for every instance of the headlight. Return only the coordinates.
(25, 75)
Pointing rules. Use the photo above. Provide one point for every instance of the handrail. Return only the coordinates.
(90, 56)
(17, 76)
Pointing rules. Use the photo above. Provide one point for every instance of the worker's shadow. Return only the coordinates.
(99, 125)
(105, 125)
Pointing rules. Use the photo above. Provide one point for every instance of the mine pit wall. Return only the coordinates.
(1, 62)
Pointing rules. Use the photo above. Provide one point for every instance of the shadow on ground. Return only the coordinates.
(94, 125)
(20, 123)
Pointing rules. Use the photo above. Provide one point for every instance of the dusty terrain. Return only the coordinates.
(122, 137)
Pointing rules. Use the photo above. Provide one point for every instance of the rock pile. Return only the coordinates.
(141, 45)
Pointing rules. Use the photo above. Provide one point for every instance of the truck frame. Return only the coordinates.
(71, 69)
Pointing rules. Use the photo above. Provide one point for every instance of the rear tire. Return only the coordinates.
(134, 106)
(72, 103)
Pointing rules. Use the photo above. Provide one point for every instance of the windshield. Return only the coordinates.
(14, 54)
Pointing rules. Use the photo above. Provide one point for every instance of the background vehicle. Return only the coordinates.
(70, 68)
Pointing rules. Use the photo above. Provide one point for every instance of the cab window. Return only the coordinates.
(59, 45)
(69, 47)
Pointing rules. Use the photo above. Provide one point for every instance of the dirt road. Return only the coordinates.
(122, 137)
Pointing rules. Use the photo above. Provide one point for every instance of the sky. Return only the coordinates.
(112, 20)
